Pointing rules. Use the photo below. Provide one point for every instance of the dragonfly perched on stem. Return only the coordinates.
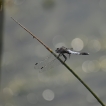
(50, 61)
(60, 53)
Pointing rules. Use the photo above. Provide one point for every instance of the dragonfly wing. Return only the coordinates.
(54, 63)
(45, 63)
(48, 63)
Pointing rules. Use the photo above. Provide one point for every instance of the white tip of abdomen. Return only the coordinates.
(73, 52)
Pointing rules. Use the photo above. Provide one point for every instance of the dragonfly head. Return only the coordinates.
(57, 50)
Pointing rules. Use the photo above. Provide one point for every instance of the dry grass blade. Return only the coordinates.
(62, 63)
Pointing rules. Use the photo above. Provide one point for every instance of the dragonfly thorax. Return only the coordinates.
(61, 50)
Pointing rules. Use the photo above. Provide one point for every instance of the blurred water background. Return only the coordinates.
(80, 24)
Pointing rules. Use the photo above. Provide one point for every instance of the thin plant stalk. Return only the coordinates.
(98, 99)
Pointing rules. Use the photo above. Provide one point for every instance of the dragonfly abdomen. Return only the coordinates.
(84, 53)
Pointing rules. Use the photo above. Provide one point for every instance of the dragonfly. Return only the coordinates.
(50, 61)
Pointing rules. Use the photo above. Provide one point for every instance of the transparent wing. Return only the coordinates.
(43, 62)
(50, 65)
(47, 64)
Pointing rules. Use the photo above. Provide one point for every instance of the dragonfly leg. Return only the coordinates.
(59, 55)
(64, 57)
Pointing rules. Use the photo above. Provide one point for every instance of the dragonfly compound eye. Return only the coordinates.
(57, 50)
